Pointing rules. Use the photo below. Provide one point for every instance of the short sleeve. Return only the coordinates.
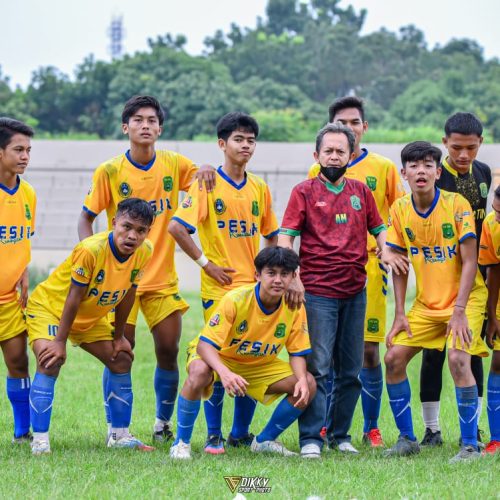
(82, 266)
(218, 328)
(99, 196)
(464, 219)
(394, 235)
(313, 171)
(487, 253)
(186, 169)
(193, 209)
(269, 223)
(394, 187)
(298, 342)
(295, 214)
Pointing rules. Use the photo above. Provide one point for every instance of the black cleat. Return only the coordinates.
(403, 448)
(240, 442)
(431, 438)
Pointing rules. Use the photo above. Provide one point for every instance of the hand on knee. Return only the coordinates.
(121, 364)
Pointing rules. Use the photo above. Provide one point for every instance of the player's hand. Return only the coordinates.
(459, 329)
(301, 391)
(234, 384)
(492, 331)
(294, 297)
(23, 285)
(121, 344)
(398, 262)
(219, 274)
(400, 324)
(53, 355)
(206, 174)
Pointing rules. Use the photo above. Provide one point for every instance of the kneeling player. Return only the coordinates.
(102, 273)
(240, 345)
(437, 229)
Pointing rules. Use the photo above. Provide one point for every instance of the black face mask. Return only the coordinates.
(333, 174)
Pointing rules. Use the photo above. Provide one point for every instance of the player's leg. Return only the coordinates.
(476, 364)
(494, 402)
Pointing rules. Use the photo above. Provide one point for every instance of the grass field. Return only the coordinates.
(81, 466)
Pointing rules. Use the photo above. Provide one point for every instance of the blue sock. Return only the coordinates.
(467, 413)
(166, 383)
(283, 417)
(120, 399)
(494, 405)
(244, 409)
(41, 399)
(329, 392)
(18, 392)
(105, 380)
(213, 410)
(187, 411)
(371, 396)
(399, 398)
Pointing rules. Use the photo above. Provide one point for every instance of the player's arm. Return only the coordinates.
(493, 283)
(122, 311)
(294, 296)
(272, 241)
(23, 286)
(298, 364)
(207, 175)
(400, 323)
(85, 221)
(397, 261)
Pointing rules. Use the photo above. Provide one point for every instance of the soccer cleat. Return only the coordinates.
(240, 442)
(491, 448)
(271, 447)
(373, 438)
(480, 443)
(40, 447)
(127, 441)
(465, 454)
(403, 448)
(431, 438)
(310, 450)
(347, 448)
(164, 435)
(180, 451)
(215, 445)
(25, 438)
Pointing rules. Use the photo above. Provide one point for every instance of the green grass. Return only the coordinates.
(81, 465)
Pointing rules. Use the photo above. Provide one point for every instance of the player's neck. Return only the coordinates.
(462, 170)
(142, 154)
(357, 152)
(234, 172)
(8, 179)
(268, 301)
(423, 201)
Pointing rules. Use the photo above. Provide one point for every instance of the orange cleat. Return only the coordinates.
(373, 438)
(491, 448)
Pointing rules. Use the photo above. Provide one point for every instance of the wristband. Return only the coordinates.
(202, 261)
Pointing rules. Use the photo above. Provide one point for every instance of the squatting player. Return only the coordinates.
(17, 226)
(101, 273)
(240, 345)
(231, 220)
(436, 228)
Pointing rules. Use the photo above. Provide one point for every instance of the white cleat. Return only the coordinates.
(347, 448)
(180, 451)
(40, 447)
(127, 441)
(271, 447)
(310, 450)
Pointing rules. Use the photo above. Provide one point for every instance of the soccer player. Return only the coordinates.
(381, 176)
(436, 228)
(489, 255)
(155, 176)
(101, 273)
(460, 173)
(231, 220)
(239, 346)
(17, 226)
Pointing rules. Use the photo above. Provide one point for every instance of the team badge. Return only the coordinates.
(242, 327)
(280, 331)
(168, 183)
(133, 275)
(410, 234)
(372, 325)
(484, 189)
(80, 271)
(220, 207)
(255, 208)
(125, 190)
(188, 202)
(447, 230)
(27, 212)
(214, 320)
(371, 182)
(355, 202)
(100, 276)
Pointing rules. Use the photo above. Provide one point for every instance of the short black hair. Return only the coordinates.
(137, 209)
(10, 127)
(236, 121)
(336, 128)
(344, 103)
(276, 257)
(497, 191)
(142, 101)
(420, 150)
(464, 124)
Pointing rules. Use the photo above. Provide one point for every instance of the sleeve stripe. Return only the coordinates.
(301, 353)
(377, 230)
(397, 247)
(89, 211)
(209, 341)
(77, 283)
(271, 235)
(189, 227)
(468, 235)
(289, 232)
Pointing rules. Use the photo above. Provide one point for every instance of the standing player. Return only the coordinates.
(101, 273)
(460, 173)
(437, 229)
(240, 345)
(17, 226)
(381, 176)
(489, 255)
(155, 176)
(231, 220)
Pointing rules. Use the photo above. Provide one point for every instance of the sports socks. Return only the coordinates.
(430, 415)
(105, 379)
(371, 396)
(165, 384)
(120, 399)
(244, 409)
(18, 392)
(187, 412)
(283, 417)
(399, 399)
(213, 410)
(494, 405)
(41, 398)
(467, 413)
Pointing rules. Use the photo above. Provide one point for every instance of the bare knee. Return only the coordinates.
(495, 363)
(395, 365)
(200, 375)
(459, 363)
(121, 364)
(17, 364)
(371, 355)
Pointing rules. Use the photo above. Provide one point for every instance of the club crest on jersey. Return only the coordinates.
(220, 207)
(188, 202)
(133, 275)
(125, 190)
(372, 325)
(80, 271)
(280, 331)
(214, 320)
(242, 327)
(100, 276)
(447, 230)
(255, 208)
(371, 182)
(410, 234)
(168, 183)
(484, 189)
(355, 202)
(27, 212)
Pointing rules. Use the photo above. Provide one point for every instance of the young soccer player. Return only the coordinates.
(460, 173)
(101, 273)
(231, 220)
(155, 176)
(489, 255)
(240, 345)
(381, 176)
(436, 228)
(17, 226)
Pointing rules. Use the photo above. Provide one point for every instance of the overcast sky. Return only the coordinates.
(61, 33)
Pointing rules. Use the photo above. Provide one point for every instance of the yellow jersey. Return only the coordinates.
(432, 240)
(96, 265)
(17, 226)
(231, 220)
(159, 184)
(489, 247)
(241, 328)
(380, 175)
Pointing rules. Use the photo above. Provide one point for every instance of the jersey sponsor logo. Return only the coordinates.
(435, 254)
(255, 208)
(188, 202)
(27, 212)
(448, 232)
(238, 228)
(257, 348)
(214, 320)
(341, 218)
(372, 325)
(168, 183)
(100, 276)
(219, 206)
(107, 297)
(125, 190)
(371, 182)
(320, 204)
(280, 331)
(242, 327)
(355, 202)
(14, 234)
(484, 189)
(410, 234)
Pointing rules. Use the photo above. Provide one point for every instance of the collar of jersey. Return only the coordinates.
(332, 188)
(230, 181)
(138, 165)
(261, 305)
(114, 251)
(431, 208)
(361, 157)
(450, 169)
(14, 189)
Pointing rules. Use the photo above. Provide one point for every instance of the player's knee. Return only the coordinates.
(200, 374)
(394, 364)
(371, 355)
(495, 363)
(121, 364)
(166, 355)
(17, 364)
(459, 363)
